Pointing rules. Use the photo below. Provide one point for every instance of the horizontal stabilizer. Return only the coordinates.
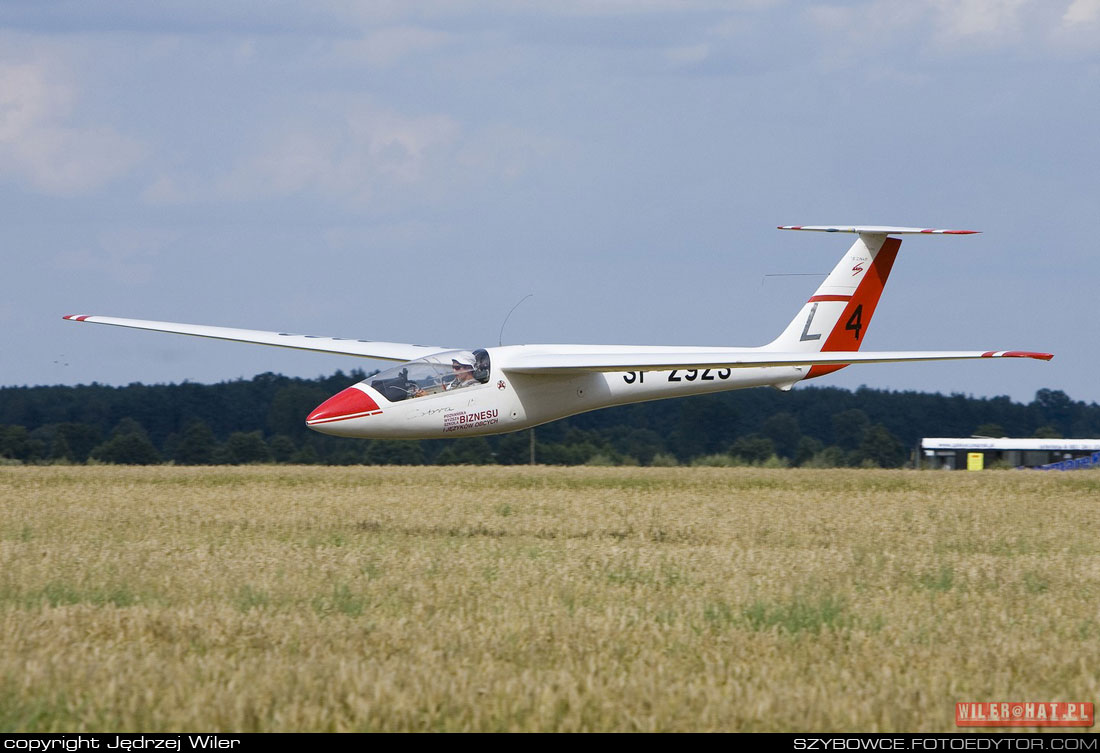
(384, 351)
(876, 229)
(543, 363)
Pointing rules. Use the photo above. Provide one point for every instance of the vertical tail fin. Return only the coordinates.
(837, 315)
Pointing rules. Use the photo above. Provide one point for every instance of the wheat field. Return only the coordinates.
(473, 598)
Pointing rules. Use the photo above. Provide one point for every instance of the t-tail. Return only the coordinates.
(837, 315)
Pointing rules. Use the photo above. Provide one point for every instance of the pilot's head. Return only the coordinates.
(463, 371)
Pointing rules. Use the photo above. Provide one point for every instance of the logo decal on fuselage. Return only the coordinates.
(461, 420)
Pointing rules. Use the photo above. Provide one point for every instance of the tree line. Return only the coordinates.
(261, 420)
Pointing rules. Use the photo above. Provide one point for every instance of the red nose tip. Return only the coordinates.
(351, 403)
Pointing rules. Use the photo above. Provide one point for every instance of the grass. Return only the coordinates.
(802, 613)
(305, 598)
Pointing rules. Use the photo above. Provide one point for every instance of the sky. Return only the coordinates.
(408, 171)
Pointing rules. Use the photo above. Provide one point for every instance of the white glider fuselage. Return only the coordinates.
(510, 400)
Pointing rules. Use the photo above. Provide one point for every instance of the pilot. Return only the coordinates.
(464, 375)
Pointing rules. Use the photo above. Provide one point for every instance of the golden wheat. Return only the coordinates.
(306, 598)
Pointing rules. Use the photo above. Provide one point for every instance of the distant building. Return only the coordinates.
(950, 453)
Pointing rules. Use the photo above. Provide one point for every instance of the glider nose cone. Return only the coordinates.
(351, 403)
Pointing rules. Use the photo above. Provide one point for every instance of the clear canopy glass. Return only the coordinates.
(435, 374)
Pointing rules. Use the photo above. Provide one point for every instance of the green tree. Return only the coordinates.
(567, 453)
(472, 451)
(289, 407)
(641, 444)
(706, 425)
(59, 448)
(830, 457)
(16, 443)
(81, 438)
(128, 445)
(990, 430)
(197, 445)
(808, 447)
(67, 440)
(782, 429)
(1056, 406)
(753, 448)
(245, 447)
(394, 452)
(881, 447)
(282, 448)
(515, 448)
(307, 455)
(849, 428)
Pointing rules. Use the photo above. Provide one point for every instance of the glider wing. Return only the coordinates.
(564, 362)
(384, 351)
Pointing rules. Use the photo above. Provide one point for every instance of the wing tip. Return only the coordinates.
(1018, 354)
(76, 317)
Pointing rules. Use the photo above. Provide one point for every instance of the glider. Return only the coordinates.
(446, 392)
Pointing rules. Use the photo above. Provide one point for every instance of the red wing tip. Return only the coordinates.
(1017, 354)
(1028, 354)
(76, 317)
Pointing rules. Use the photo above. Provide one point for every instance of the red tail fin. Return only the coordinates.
(847, 333)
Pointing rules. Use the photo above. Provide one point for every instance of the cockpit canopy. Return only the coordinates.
(432, 375)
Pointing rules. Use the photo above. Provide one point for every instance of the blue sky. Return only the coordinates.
(408, 171)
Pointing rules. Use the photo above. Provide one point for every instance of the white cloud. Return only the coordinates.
(26, 100)
(869, 27)
(992, 19)
(688, 54)
(364, 154)
(387, 47)
(354, 154)
(865, 30)
(1082, 13)
(392, 10)
(41, 143)
(504, 152)
(172, 189)
(615, 7)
